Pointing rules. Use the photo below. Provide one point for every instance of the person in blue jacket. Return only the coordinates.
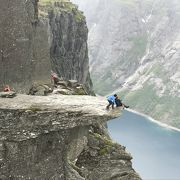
(111, 100)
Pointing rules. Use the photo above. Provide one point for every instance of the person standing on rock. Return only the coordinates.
(111, 101)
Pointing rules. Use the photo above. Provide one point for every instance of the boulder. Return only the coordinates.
(40, 90)
(63, 92)
(79, 90)
(9, 94)
(72, 83)
(62, 83)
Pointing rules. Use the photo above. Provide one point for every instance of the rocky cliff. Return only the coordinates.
(23, 45)
(134, 51)
(68, 40)
(38, 36)
(59, 137)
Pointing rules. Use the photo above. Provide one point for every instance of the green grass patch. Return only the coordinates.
(64, 5)
(103, 151)
(34, 108)
(106, 144)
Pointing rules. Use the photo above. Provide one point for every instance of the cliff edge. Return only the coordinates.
(59, 137)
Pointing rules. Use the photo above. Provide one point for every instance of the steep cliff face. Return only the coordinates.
(68, 40)
(23, 45)
(37, 36)
(59, 137)
(134, 50)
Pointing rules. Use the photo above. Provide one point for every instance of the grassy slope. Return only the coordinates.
(165, 108)
(146, 100)
(108, 82)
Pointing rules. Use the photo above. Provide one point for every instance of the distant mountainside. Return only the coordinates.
(134, 50)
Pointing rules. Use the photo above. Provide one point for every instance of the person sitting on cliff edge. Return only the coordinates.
(111, 100)
(119, 103)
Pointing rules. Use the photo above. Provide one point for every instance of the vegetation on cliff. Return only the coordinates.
(60, 5)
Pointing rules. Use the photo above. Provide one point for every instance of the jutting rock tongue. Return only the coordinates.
(60, 138)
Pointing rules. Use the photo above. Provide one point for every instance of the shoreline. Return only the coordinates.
(155, 121)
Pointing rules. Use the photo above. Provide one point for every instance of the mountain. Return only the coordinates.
(134, 51)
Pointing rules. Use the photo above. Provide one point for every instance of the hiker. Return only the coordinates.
(7, 92)
(6, 89)
(119, 103)
(55, 78)
(111, 100)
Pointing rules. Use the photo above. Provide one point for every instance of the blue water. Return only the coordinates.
(155, 149)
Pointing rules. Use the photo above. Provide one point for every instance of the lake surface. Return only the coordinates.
(155, 149)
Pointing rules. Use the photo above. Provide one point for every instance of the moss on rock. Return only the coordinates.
(62, 6)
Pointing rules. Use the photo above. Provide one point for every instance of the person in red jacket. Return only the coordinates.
(7, 88)
(54, 78)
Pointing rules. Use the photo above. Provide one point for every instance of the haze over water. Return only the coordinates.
(155, 149)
